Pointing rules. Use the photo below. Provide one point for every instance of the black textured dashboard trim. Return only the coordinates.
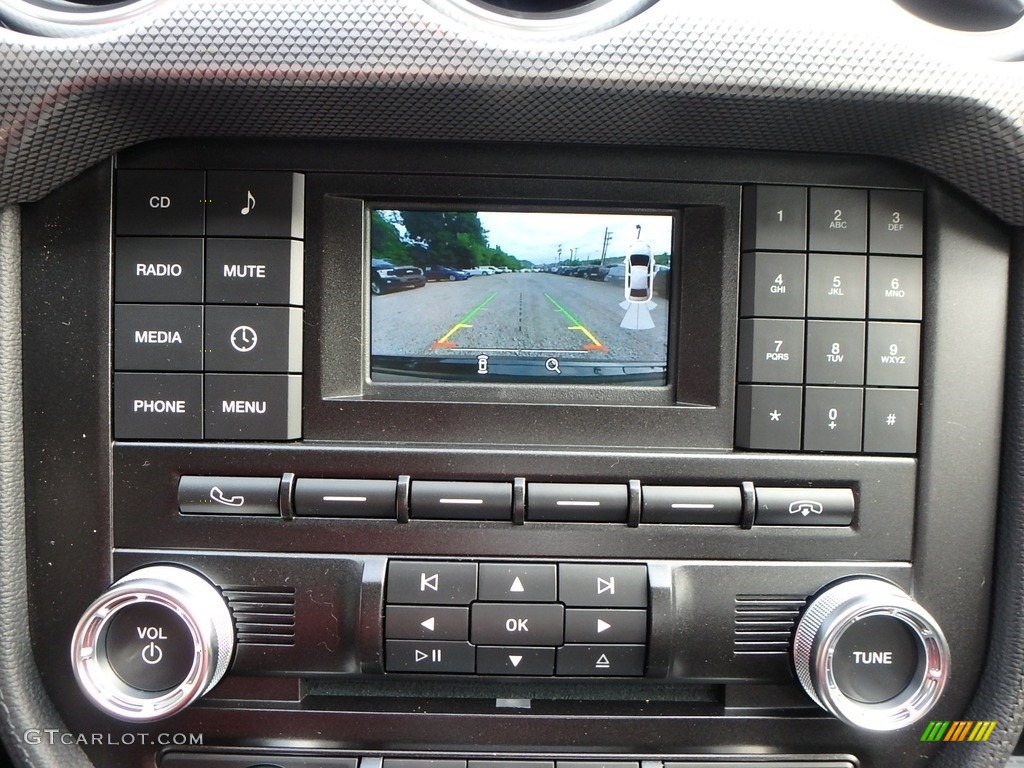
(866, 78)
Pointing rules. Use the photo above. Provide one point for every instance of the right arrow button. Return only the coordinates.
(592, 625)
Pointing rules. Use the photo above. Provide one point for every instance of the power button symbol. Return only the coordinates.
(152, 654)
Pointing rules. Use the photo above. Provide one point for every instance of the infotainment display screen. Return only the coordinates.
(511, 296)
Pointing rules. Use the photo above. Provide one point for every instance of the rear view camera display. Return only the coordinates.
(509, 296)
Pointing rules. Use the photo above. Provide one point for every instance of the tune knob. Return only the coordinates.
(870, 655)
(153, 643)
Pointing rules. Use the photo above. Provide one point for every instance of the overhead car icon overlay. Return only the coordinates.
(638, 286)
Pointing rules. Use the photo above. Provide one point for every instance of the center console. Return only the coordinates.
(349, 444)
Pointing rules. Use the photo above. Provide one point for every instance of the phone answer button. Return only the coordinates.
(228, 495)
(804, 506)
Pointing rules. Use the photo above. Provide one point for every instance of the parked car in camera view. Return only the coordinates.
(445, 273)
(385, 277)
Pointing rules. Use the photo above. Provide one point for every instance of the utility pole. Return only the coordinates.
(559, 262)
(604, 245)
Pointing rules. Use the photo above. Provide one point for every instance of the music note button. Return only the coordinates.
(254, 204)
(250, 203)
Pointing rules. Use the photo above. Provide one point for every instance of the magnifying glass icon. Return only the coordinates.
(552, 365)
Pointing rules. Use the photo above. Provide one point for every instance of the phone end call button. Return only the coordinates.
(804, 506)
(228, 495)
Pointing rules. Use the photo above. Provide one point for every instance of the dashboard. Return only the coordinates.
(458, 384)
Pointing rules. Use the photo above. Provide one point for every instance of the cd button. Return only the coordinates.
(431, 583)
(603, 586)
(228, 495)
(160, 202)
(518, 583)
(517, 624)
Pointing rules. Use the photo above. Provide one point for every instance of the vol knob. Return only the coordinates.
(153, 643)
(870, 655)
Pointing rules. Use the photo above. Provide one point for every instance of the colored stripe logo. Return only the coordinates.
(959, 730)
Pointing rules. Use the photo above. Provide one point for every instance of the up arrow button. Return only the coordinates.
(519, 582)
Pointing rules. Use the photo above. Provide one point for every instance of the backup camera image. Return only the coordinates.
(510, 296)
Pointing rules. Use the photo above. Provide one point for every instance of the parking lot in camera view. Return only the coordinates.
(526, 314)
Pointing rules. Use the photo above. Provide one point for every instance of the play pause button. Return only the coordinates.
(499, 660)
(415, 656)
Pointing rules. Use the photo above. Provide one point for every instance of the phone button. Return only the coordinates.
(804, 506)
(228, 495)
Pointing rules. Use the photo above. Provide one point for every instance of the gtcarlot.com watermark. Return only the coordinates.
(53, 736)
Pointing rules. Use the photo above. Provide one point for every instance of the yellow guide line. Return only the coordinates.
(463, 323)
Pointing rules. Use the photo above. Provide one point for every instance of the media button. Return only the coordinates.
(252, 271)
(160, 202)
(158, 337)
(253, 407)
(158, 270)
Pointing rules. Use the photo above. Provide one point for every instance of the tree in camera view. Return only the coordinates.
(448, 238)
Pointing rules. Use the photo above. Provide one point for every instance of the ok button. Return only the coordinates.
(149, 647)
(517, 624)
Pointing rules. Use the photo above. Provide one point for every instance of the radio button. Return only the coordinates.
(895, 288)
(432, 622)
(254, 339)
(833, 417)
(602, 586)
(432, 500)
(693, 505)
(158, 406)
(445, 657)
(896, 222)
(836, 285)
(345, 498)
(771, 351)
(228, 495)
(804, 506)
(160, 202)
(774, 218)
(533, 583)
(601, 660)
(158, 337)
(159, 270)
(517, 624)
(248, 407)
(589, 625)
(431, 583)
(576, 503)
(890, 421)
(254, 271)
(772, 284)
(894, 354)
(255, 204)
(515, 661)
(769, 418)
(838, 220)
